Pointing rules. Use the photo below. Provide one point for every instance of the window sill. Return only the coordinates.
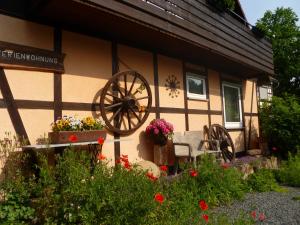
(235, 128)
(197, 99)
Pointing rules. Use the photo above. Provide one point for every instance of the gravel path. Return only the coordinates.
(279, 208)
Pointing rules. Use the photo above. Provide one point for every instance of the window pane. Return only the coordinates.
(195, 86)
(232, 104)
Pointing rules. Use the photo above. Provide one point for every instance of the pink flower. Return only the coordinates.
(253, 214)
(225, 166)
(156, 131)
(274, 149)
(262, 217)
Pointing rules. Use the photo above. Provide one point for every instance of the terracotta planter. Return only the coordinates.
(62, 137)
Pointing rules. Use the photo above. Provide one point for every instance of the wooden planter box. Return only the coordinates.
(62, 137)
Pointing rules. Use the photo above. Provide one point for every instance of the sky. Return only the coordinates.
(255, 9)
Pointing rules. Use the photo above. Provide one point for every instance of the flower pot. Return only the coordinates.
(62, 137)
(160, 154)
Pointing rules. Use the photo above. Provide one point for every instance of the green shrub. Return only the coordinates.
(15, 207)
(289, 172)
(280, 123)
(263, 180)
(71, 193)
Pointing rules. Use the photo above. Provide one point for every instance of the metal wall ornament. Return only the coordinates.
(125, 102)
(172, 85)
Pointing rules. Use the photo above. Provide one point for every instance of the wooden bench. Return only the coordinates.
(191, 144)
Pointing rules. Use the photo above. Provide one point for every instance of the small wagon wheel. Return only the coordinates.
(220, 134)
(125, 102)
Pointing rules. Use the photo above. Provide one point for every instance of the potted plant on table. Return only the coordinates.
(160, 131)
(71, 129)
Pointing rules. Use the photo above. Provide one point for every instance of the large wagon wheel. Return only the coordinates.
(220, 134)
(125, 102)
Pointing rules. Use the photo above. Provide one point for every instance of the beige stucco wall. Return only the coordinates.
(30, 85)
(166, 67)
(238, 140)
(254, 131)
(197, 122)
(248, 94)
(214, 90)
(88, 66)
(23, 32)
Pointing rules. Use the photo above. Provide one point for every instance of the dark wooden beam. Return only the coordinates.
(186, 109)
(12, 107)
(57, 76)
(156, 84)
(115, 69)
(79, 106)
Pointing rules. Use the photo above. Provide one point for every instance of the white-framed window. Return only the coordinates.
(195, 86)
(232, 105)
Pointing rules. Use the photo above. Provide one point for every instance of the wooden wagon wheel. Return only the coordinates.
(220, 134)
(125, 102)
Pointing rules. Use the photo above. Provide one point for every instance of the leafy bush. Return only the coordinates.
(72, 193)
(280, 123)
(15, 207)
(263, 180)
(289, 172)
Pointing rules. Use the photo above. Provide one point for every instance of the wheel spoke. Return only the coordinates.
(113, 105)
(115, 114)
(125, 83)
(118, 89)
(119, 122)
(134, 79)
(114, 96)
(145, 97)
(129, 120)
(134, 113)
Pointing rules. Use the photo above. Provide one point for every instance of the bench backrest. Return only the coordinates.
(190, 137)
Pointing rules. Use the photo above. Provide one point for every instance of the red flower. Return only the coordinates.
(193, 173)
(118, 161)
(73, 138)
(225, 166)
(159, 198)
(274, 149)
(205, 217)
(163, 168)
(203, 205)
(124, 158)
(127, 165)
(253, 214)
(101, 156)
(151, 176)
(100, 140)
(262, 217)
